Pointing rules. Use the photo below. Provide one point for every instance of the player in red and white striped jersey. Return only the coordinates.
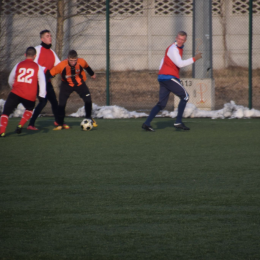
(47, 59)
(23, 79)
(169, 81)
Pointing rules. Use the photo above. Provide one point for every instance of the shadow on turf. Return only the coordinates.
(166, 124)
(163, 124)
(43, 127)
(47, 126)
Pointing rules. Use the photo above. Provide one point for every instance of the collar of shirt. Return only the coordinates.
(178, 46)
(46, 46)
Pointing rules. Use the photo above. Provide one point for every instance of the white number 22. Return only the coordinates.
(25, 75)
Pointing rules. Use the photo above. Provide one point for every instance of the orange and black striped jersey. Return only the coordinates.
(74, 76)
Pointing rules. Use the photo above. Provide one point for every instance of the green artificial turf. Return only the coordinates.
(118, 192)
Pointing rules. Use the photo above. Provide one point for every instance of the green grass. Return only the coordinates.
(118, 192)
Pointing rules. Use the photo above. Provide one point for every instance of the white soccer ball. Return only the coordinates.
(86, 124)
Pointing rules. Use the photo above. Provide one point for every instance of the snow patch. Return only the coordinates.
(230, 110)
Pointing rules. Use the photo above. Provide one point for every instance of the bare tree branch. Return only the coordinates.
(60, 28)
(228, 61)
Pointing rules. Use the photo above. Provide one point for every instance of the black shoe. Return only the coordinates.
(18, 129)
(181, 126)
(148, 128)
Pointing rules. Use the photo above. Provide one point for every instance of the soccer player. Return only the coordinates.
(23, 79)
(169, 81)
(46, 58)
(73, 78)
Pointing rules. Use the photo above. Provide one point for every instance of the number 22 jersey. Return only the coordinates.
(24, 79)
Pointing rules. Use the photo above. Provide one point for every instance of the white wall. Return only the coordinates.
(136, 42)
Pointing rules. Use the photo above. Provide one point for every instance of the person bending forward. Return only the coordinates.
(73, 78)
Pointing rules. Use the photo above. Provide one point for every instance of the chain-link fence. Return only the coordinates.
(140, 32)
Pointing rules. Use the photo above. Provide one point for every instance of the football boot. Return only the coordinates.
(147, 128)
(181, 126)
(31, 127)
(59, 127)
(18, 129)
(94, 123)
(64, 126)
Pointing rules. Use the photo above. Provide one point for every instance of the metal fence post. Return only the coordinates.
(250, 55)
(202, 38)
(107, 53)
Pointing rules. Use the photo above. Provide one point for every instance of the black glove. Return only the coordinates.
(48, 75)
(41, 99)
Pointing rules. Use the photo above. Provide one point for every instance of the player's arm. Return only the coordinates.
(41, 82)
(38, 50)
(57, 60)
(54, 71)
(162, 61)
(48, 75)
(174, 55)
(89, 70)
(11, 77)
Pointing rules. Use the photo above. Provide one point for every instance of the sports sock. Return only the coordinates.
(88, 109)
(181, 108)
(155, 110)
(59, 117)
(26, 116)
(3, 123)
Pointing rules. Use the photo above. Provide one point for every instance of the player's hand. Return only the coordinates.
(94, 76)
(41, 99)
(198, 56)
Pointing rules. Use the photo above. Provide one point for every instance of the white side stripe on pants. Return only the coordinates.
(186, 93)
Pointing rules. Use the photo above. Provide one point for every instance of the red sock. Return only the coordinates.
(3, 123)
(26, 116)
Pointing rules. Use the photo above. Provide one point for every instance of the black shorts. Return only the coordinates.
(13, 101)
(66, 90)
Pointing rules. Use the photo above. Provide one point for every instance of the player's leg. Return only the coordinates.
(3, 124)
(176, 87)
(65, 91)
(38, 109)
(29, 105)
(163, 99)
(84, 93)
(51, 96)
(11, 103)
